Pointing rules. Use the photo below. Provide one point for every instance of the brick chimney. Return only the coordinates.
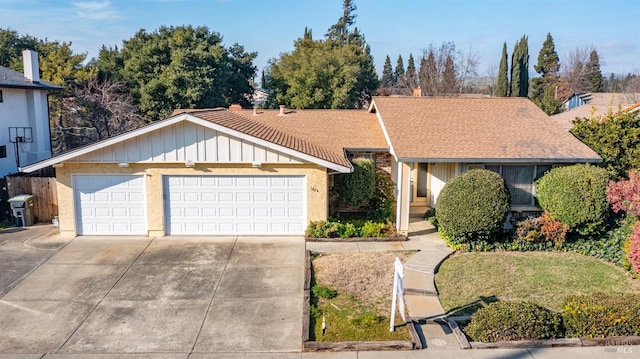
(31, 66)
(235, 107)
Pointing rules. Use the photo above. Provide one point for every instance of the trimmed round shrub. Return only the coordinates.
(358, 186)
(473, 205)
(602, 315)
(502, 321)
(576, 196)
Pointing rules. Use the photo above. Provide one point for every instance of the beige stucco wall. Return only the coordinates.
(316, 177)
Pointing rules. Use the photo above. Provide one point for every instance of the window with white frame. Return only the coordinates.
(520, 181)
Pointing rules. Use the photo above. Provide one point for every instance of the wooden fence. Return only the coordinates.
(44, 188)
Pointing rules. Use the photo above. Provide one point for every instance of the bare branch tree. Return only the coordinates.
(573, 69)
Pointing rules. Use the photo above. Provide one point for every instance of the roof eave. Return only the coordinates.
(501, 160)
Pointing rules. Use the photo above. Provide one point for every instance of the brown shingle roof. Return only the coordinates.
(476, 129)
(232, 120)
(335, 130)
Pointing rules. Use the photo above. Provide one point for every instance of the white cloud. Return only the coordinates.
(95, 10)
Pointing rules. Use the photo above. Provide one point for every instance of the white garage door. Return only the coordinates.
(269, 205)
(110, 205)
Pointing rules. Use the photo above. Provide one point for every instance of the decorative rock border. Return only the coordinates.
(315, 346)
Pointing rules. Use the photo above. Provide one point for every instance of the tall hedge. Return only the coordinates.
(473, 205)
(576, 196)
(358, 186)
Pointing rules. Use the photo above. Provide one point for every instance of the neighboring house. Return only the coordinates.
(584, 105)
(259, 98)
(24, 116)
(217, 171)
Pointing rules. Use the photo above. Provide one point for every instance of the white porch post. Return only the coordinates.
(403, 198)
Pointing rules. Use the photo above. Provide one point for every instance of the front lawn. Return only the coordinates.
(467, 281)
(353, 291)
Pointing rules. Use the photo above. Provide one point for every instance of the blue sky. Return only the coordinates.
(391, 27)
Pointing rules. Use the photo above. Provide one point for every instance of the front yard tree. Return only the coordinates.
(520, 69)
(336, 72)
(543, 88)
(181, 67)
(503, 75)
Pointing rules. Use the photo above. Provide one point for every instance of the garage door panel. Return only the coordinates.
(110, 205)
(236, 205)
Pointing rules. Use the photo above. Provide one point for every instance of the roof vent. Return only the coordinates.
(235, 107)
(282, 110)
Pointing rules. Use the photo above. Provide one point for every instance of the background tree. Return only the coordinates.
(573, 71)
(445, 58)
(387, 73)
(503, 76)
(411, 77)
(398, 73)
(337, 72)
(520, 69)
(449, 77)
(180, 67)
(543, 88)
(592, 73)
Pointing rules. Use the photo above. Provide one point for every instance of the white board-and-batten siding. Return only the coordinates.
(183, 142)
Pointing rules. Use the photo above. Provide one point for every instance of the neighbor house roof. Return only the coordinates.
(597, 104)
(475, 130)
(14, 79)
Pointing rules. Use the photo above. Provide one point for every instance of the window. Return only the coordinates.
(3, 151)
(520, 181)
(1, 96)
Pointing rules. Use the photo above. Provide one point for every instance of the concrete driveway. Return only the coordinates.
(164, 295)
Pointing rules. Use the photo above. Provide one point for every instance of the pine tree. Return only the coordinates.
(449, 77)
(411, 75)
(387, 73)
(429, 75)
(592, 73)
(340, 31)
(503, 76)
(398, 74)
(543, 88)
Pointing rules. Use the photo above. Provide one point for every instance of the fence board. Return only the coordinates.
(44, 188)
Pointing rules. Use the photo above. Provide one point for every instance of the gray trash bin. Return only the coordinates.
(22, 209)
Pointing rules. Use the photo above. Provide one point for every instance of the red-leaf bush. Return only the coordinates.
(634, 249)
(624, 195)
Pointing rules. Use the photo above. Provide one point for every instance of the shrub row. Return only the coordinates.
(602, 315)
(594, 315)
(364, 229)
(501, 321)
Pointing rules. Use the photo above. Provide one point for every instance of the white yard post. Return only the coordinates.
(397, 292)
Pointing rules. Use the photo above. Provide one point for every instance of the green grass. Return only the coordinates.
(469, 281)
(351, 321)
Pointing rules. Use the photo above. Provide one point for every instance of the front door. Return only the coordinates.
(419, 182)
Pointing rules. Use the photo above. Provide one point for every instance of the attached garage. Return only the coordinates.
(245, 205)
(205, 172)
(110, 204)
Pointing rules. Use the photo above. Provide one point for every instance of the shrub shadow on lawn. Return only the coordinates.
(470, 308)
